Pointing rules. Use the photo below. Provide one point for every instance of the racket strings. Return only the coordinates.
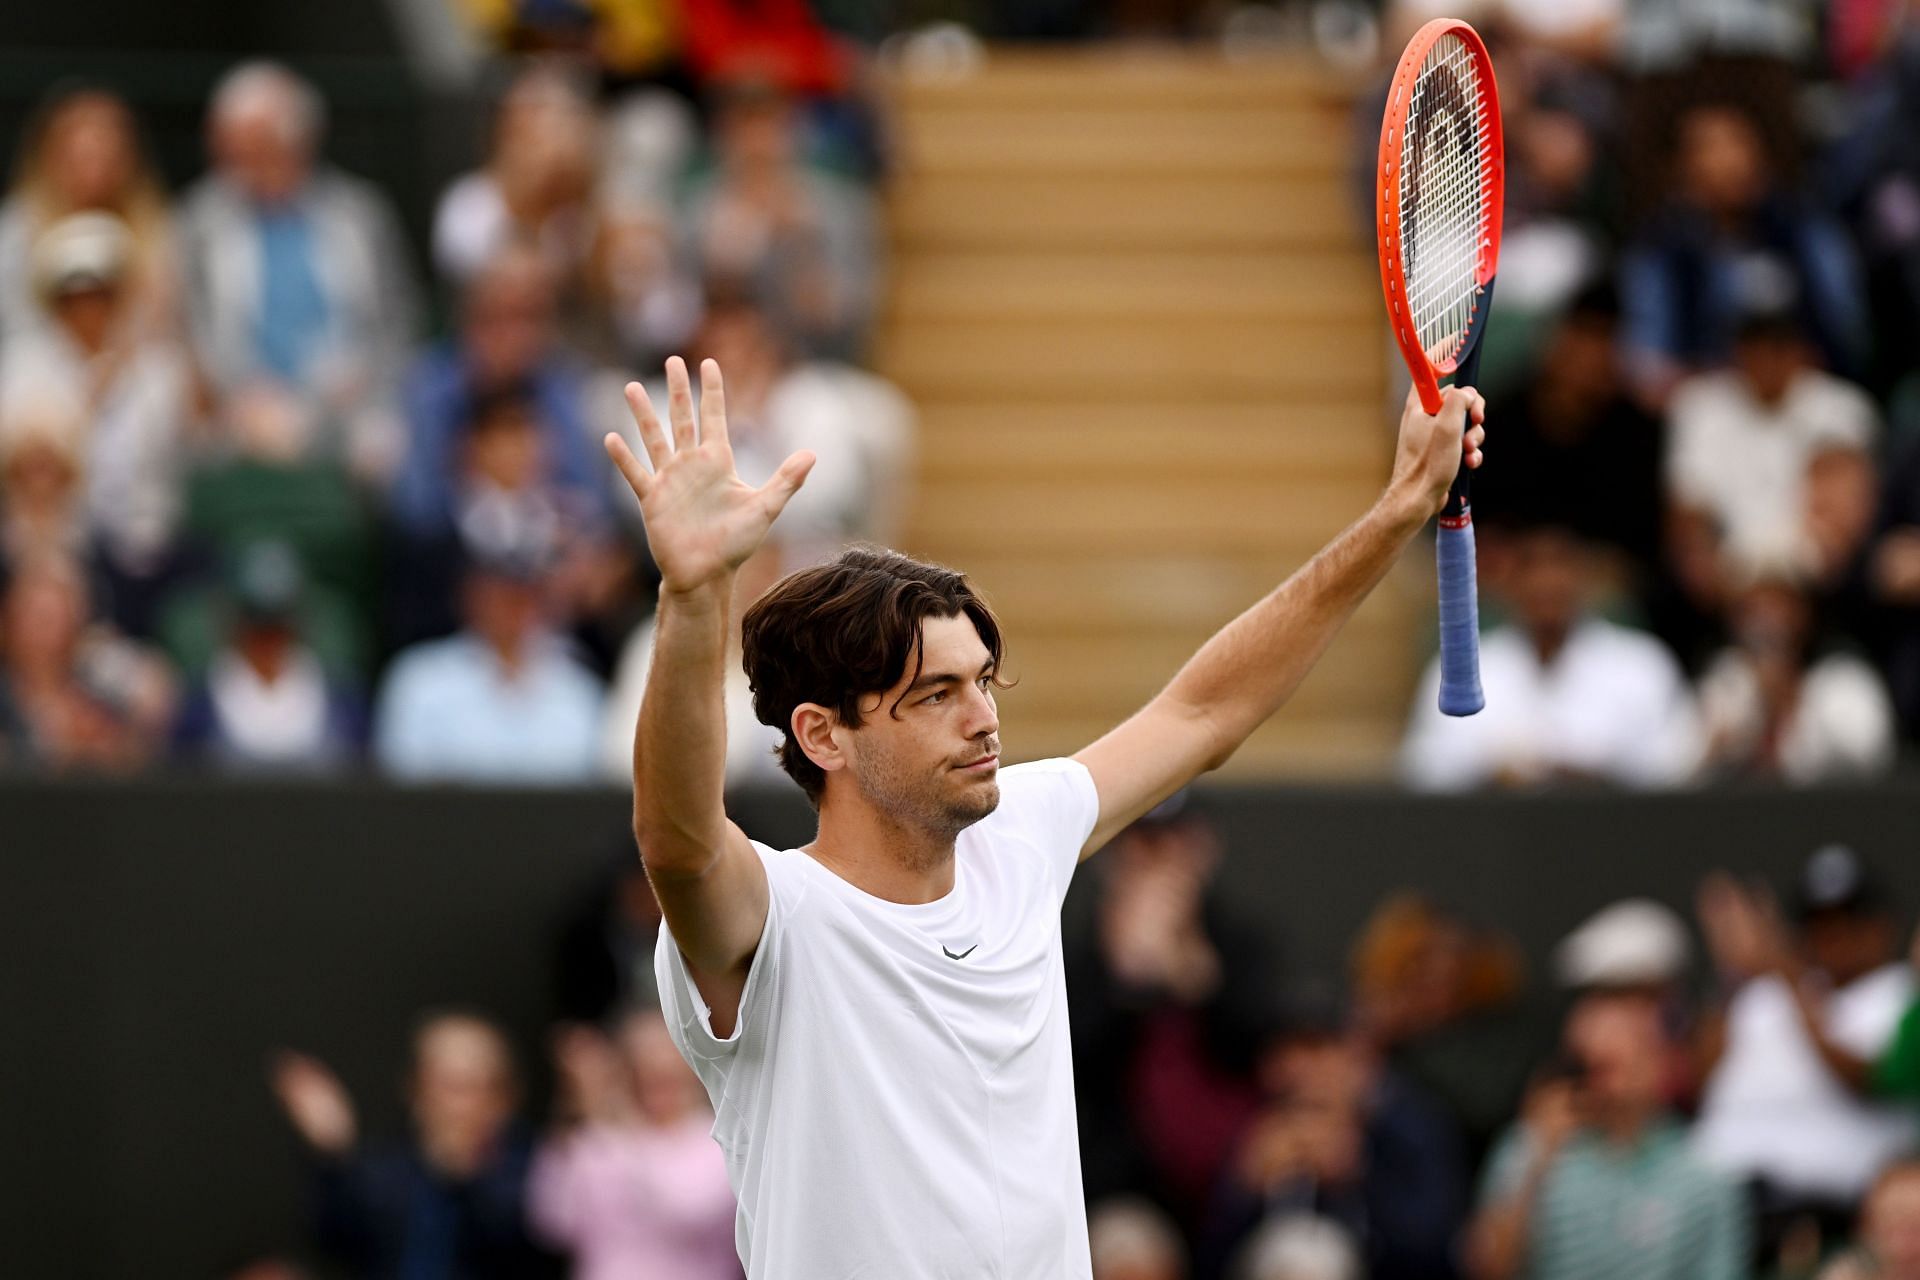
(1443, 197)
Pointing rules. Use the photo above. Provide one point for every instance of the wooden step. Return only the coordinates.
(1072, 283)
(1205, 359)
(1108, 76)
(1150, 139)
(1119, 212)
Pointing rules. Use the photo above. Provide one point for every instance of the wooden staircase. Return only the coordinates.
(1142, 323)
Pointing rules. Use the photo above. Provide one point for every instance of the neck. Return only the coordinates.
(879, 855)
(1625, 1124)
(1549, 641)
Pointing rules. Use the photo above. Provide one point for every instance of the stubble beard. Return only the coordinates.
(917, 802)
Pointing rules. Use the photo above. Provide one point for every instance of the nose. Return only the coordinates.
(983, 717)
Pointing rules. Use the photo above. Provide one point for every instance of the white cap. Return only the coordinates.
(90, 248)
(1635, 942)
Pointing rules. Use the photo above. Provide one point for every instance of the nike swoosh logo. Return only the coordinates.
(964, 954)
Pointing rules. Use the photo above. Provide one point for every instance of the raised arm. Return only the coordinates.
(1252, 665)
(703, 522)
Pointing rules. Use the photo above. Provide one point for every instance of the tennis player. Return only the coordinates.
(880, 1016)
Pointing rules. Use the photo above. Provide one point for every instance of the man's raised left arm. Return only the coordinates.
(1252, 665)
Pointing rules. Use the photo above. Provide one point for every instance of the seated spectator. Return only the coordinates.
(267, 703)
(1729, 231)
(534, 185)
(296, 272)
(1130, 1239)
(42, 485)
(1569, 694)
(502, 700)
(1641, 946)
(74, 696)
(1776, 705)
(445, 1201)
(808, 244)
(1790, 1058)
(1576, 451)
(82, 154)
(1445, 1002)
(633, 1184)
(1301, 1247)
(507, 344)
(1598, 1178)
(130, 390)
(1889, 1236)
(1170, 985)
(1344, 1139)
(1768, 462)
(642, 302)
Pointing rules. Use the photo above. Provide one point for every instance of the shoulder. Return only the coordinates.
(1041, 787)
(430, 661)
(1628, 645)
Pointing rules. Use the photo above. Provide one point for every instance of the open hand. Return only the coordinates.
(315, 1101)
(702, 520)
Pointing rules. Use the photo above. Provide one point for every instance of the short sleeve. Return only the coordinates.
(1054, 805)
(689, 1020)
(1505, 1168)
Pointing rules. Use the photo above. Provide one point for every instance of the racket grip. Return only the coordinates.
(1460, 693)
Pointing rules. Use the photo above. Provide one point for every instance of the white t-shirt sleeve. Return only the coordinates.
(1053, 805)
(689, 1020)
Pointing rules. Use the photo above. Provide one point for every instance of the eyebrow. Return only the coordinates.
(946, 677)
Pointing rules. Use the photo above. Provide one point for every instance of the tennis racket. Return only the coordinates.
(1442, 178)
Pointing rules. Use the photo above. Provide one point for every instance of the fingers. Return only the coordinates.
(1459, 407)
(1476, 437)
(787, 480)
(713, 405)
(680, 403)
(630, 467)
(652, 437)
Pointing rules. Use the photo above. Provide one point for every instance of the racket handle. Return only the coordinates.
(1460, 693)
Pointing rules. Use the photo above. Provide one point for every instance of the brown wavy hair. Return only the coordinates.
(845, 629)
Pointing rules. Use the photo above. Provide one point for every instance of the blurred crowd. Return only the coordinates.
(1730, 1094)
(1700, 522)
(1434, 1115)
(257, 513)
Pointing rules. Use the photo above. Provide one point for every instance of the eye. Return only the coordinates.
(933, 698)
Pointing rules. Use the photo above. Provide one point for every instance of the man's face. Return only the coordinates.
(260, 150)
(462, 1084)
(1619, 1041)
(1893, 1225)
(927, 752)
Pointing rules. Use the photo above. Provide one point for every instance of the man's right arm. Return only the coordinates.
(711, 884)
(702, 523)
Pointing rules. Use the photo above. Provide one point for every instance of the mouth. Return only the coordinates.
(985, 764)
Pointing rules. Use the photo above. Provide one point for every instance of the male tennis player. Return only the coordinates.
(880, 1016)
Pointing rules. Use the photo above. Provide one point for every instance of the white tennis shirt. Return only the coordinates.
(896, 1099)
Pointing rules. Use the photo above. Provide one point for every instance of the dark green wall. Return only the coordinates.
(156, 941)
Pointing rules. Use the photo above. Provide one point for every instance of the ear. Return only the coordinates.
(818, 731)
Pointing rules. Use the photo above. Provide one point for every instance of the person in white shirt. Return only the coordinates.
(879, 1017)
(1769, 461)
(1784, 1102)
(1569, 694)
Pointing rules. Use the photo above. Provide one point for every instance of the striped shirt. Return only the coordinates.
(1649, 1211)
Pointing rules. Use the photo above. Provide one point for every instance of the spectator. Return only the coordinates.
(1130, 1239)
(1769, 462)
(1639, 946)
(42, 486)
(1789, 1059)
(507, 344)
(77, 696)
(1344, 1139)
(642, 301)
(501, 701)
(1889, 1230)
(634, 1185)
(1444, 1001)
(82, 154)
(534, 186)
(1569, 695)
(1597, 1179)
(1774, 706)
(1575, 450)
(130, 391)
(267, 703)
(1169, 986)
(808, 244)
(1300, 1247)
(296, 272)
(445, 1203)
(1729, 234)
